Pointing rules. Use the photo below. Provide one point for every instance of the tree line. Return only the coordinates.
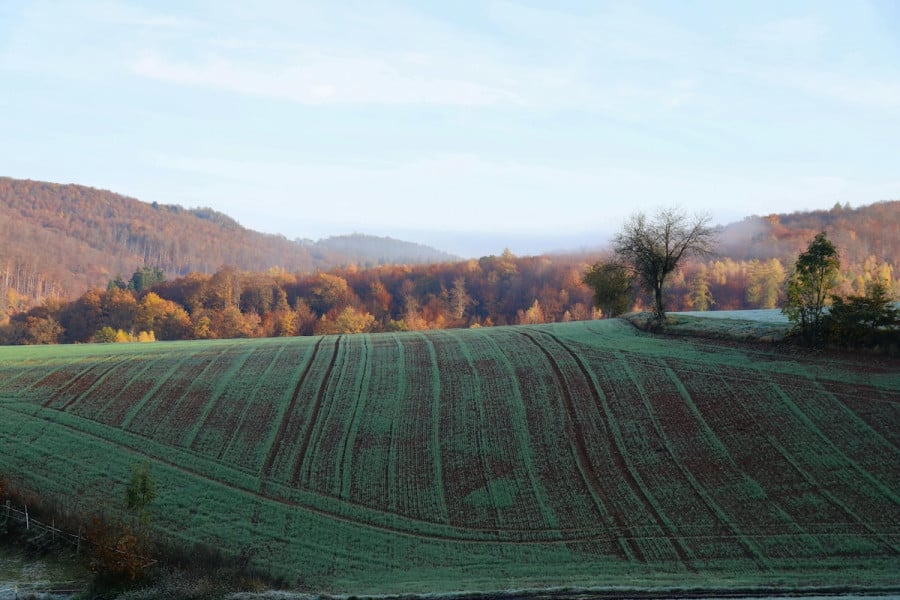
(493, 290)
(648, 250)
(496, 290)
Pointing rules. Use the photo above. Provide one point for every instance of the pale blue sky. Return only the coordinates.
(533, 125)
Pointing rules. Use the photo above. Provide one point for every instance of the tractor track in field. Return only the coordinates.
(621, 462)
(285, 417)
(581, 452)
(496, 537)
(281, 483)
(227, 444)
(618, 455)
(760, 371)
(314, 413)
(71, 383)
(689, 477)
(75, 398)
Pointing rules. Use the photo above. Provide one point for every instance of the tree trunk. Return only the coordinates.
(659, 310)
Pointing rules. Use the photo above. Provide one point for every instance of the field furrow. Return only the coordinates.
(574, 456)
(172, 408)
(360, 392)
(836, 523)
(330, 427)
(288, 422)
(880, 412)
(304, 460)
(874, 455)
(371, 475)
(847, 481)
(61, 375)
(142, 379)
(72, 391)
(703, 450)
(509, 408)
(18, 378)
(783, 521)
(658, 540)
(464, 453)
(418, 484)
(588, 433)
(678, 502)
(210, 431)
(246, 441)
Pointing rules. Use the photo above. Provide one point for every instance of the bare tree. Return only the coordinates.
(652, 248)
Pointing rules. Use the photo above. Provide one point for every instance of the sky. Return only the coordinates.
(468, 126)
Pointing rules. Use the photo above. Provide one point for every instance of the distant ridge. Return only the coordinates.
(369, 250)
(58, 240)
(860, 234)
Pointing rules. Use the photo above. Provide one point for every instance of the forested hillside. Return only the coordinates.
(189, 282)
(57, 241)
(754, 256)
(860, 233)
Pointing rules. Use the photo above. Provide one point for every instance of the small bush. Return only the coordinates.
(867, 321)
(119, 556)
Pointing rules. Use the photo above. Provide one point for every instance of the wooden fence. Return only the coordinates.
(50, 530)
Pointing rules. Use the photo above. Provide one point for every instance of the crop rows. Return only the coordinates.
(549, 455)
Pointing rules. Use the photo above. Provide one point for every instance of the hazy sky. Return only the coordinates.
(538, 123)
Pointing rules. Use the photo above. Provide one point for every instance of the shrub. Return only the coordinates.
(863, 321)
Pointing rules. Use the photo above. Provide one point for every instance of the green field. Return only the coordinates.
(583, 454)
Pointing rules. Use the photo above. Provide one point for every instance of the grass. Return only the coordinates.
(575, 455)
(740, 325)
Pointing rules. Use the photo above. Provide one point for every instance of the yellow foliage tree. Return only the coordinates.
(349, 320)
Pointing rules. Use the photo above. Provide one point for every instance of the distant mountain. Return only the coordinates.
(369, 250)
(59, 240)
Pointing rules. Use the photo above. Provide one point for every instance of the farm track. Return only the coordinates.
(69, 387)
(490, 535)
(301, 465)
(190, 440)
(345, 457)
(583, 448)
(244, 410)
(621, 459)
(631, 551)
(283, 421)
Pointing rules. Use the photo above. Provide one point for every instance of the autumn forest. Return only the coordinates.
(196, 274)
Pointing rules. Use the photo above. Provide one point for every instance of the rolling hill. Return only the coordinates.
(582, 455)
(59, 240)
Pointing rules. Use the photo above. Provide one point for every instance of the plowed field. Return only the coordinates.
(572, 455)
